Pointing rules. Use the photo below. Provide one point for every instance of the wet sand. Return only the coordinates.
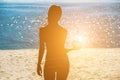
(86, 64)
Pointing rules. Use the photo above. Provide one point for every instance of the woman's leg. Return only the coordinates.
(62, 73)
(49, 74)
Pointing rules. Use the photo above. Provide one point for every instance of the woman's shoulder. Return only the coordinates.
(43, 28)
(63, 29)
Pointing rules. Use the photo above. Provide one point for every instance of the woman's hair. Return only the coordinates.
(54, 14)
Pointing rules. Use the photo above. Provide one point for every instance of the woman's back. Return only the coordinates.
(56, 56)
(54, 40)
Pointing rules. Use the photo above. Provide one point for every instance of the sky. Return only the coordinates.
(60, 0)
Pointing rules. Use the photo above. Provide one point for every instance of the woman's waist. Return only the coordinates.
(56, 61)
(56, 50)
(54, 58)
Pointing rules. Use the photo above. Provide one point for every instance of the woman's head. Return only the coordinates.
(54, 14)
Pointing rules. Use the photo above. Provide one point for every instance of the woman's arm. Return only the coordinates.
(73, 48)
(41, 49)
(41, 52)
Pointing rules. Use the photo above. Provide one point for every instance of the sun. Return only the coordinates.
(80, 41)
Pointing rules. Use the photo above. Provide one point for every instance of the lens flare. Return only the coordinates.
(80, 41)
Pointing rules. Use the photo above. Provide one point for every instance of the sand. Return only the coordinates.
(85, 64)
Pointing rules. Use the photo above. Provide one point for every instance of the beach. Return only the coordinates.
(85, 64)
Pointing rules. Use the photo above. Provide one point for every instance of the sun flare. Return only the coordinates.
(80, 41)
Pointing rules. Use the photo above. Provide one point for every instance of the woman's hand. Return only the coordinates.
(75, 46)
(39, 70)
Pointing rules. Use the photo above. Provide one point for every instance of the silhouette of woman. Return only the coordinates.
(53, 36)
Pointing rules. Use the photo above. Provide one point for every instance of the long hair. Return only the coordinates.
(54, 14)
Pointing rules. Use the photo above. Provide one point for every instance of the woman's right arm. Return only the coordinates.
(41, 47)
(41, 52)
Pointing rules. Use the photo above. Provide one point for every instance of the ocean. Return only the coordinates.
(98, 22)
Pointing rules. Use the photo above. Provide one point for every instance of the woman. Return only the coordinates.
(53, 36)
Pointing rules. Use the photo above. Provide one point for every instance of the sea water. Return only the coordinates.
(20, 23)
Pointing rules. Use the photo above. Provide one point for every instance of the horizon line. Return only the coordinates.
(59, 1)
